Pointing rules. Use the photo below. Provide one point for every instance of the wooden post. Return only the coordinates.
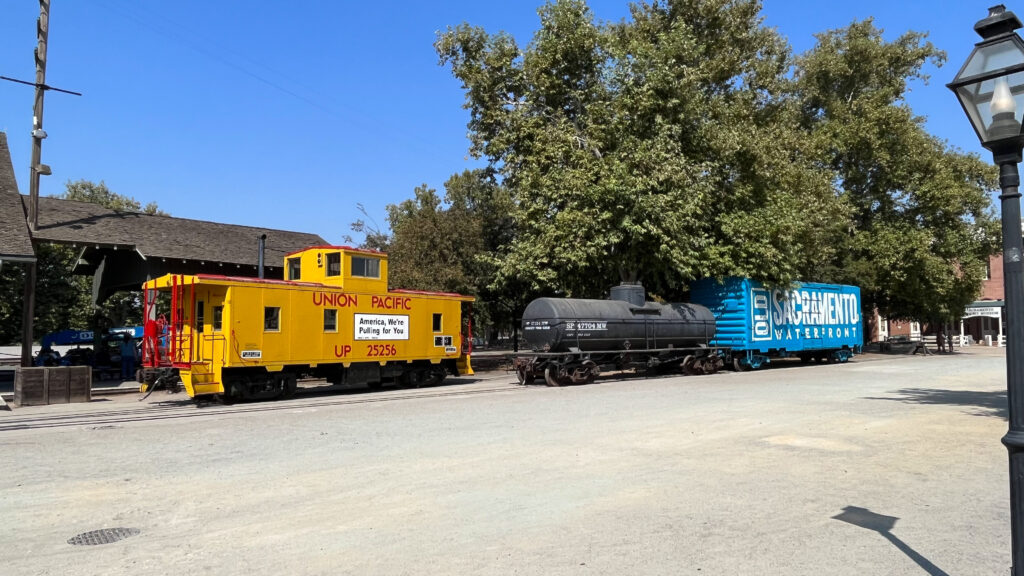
(27, 314)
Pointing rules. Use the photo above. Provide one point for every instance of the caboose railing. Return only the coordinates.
(182, 315)
(154, 334)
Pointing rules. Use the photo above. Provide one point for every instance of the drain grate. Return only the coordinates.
(104, 536)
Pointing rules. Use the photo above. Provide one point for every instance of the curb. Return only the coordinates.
(9, 396)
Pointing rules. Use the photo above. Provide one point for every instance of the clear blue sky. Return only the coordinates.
(182, 104)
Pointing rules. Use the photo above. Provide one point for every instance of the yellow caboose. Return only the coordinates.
(333, 318)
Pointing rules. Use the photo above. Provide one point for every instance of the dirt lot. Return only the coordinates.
(886, 465)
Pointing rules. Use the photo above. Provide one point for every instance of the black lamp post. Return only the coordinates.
(990, 87)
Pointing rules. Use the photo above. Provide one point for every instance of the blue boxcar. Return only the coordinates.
(754, 323)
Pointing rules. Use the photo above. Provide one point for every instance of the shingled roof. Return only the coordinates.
(90, 225)
(15, 242)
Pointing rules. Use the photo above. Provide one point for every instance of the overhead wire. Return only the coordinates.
(137, 15)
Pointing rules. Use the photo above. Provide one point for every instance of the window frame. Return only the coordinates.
(328, 311)
(437, 323)
(276, 317)
(365, 260)
(200, 316)
(329, 260)
(294, 268)
(217, 321)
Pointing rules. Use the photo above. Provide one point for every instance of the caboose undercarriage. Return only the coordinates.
(257, 383)
(578, 367)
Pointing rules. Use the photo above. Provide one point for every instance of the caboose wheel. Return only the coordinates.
(434, 377)
(551, 376)
(416, 378)
(288, 385)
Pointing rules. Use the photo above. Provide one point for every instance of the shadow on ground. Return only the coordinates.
(978, 403)
(864, 518)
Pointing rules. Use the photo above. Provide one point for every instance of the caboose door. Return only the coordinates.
(209, 314)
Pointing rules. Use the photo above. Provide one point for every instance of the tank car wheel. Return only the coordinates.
(525, 376)
(551, 376)
(592, 370)
(686, 366)
(740, 366)
(713, 365)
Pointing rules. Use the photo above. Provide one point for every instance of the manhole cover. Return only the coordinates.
(104, 536)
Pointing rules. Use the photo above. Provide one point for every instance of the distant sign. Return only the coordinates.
(990, 311)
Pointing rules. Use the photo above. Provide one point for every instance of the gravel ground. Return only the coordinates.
(886, 465)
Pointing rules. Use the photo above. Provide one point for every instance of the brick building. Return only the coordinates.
(983, 318)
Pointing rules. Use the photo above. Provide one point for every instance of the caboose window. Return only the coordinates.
(200, 316)
(365, 267)
(294, 268)
(437, 322)
(334, 264)
(218, 317)
(271, 319)
(330, 320)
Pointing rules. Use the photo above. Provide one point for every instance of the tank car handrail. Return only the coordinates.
(539, 354)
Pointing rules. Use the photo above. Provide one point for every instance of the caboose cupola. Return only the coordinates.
(353, 269)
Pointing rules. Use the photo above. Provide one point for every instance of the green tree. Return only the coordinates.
(660, 148)
(921, 223)
(432, 247)
(86, 191)
(58, 294)
(452, 243)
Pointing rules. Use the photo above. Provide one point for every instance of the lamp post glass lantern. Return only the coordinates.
(990, 87)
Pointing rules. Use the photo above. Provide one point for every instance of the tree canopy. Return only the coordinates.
(921, 221)
(86, 191)
(687, 141)
(661, 148)
(452, 243)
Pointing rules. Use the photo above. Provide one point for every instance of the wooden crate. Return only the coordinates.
(58, 382)
(52, 385)
(30, 387)
(80, 384)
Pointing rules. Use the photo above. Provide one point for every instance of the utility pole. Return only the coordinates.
(42, 32)
(36, 170)
(29, 304)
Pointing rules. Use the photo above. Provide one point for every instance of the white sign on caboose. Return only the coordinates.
(381, 327)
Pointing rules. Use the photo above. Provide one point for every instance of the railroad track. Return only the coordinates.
(183, 407)
(160, 406)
